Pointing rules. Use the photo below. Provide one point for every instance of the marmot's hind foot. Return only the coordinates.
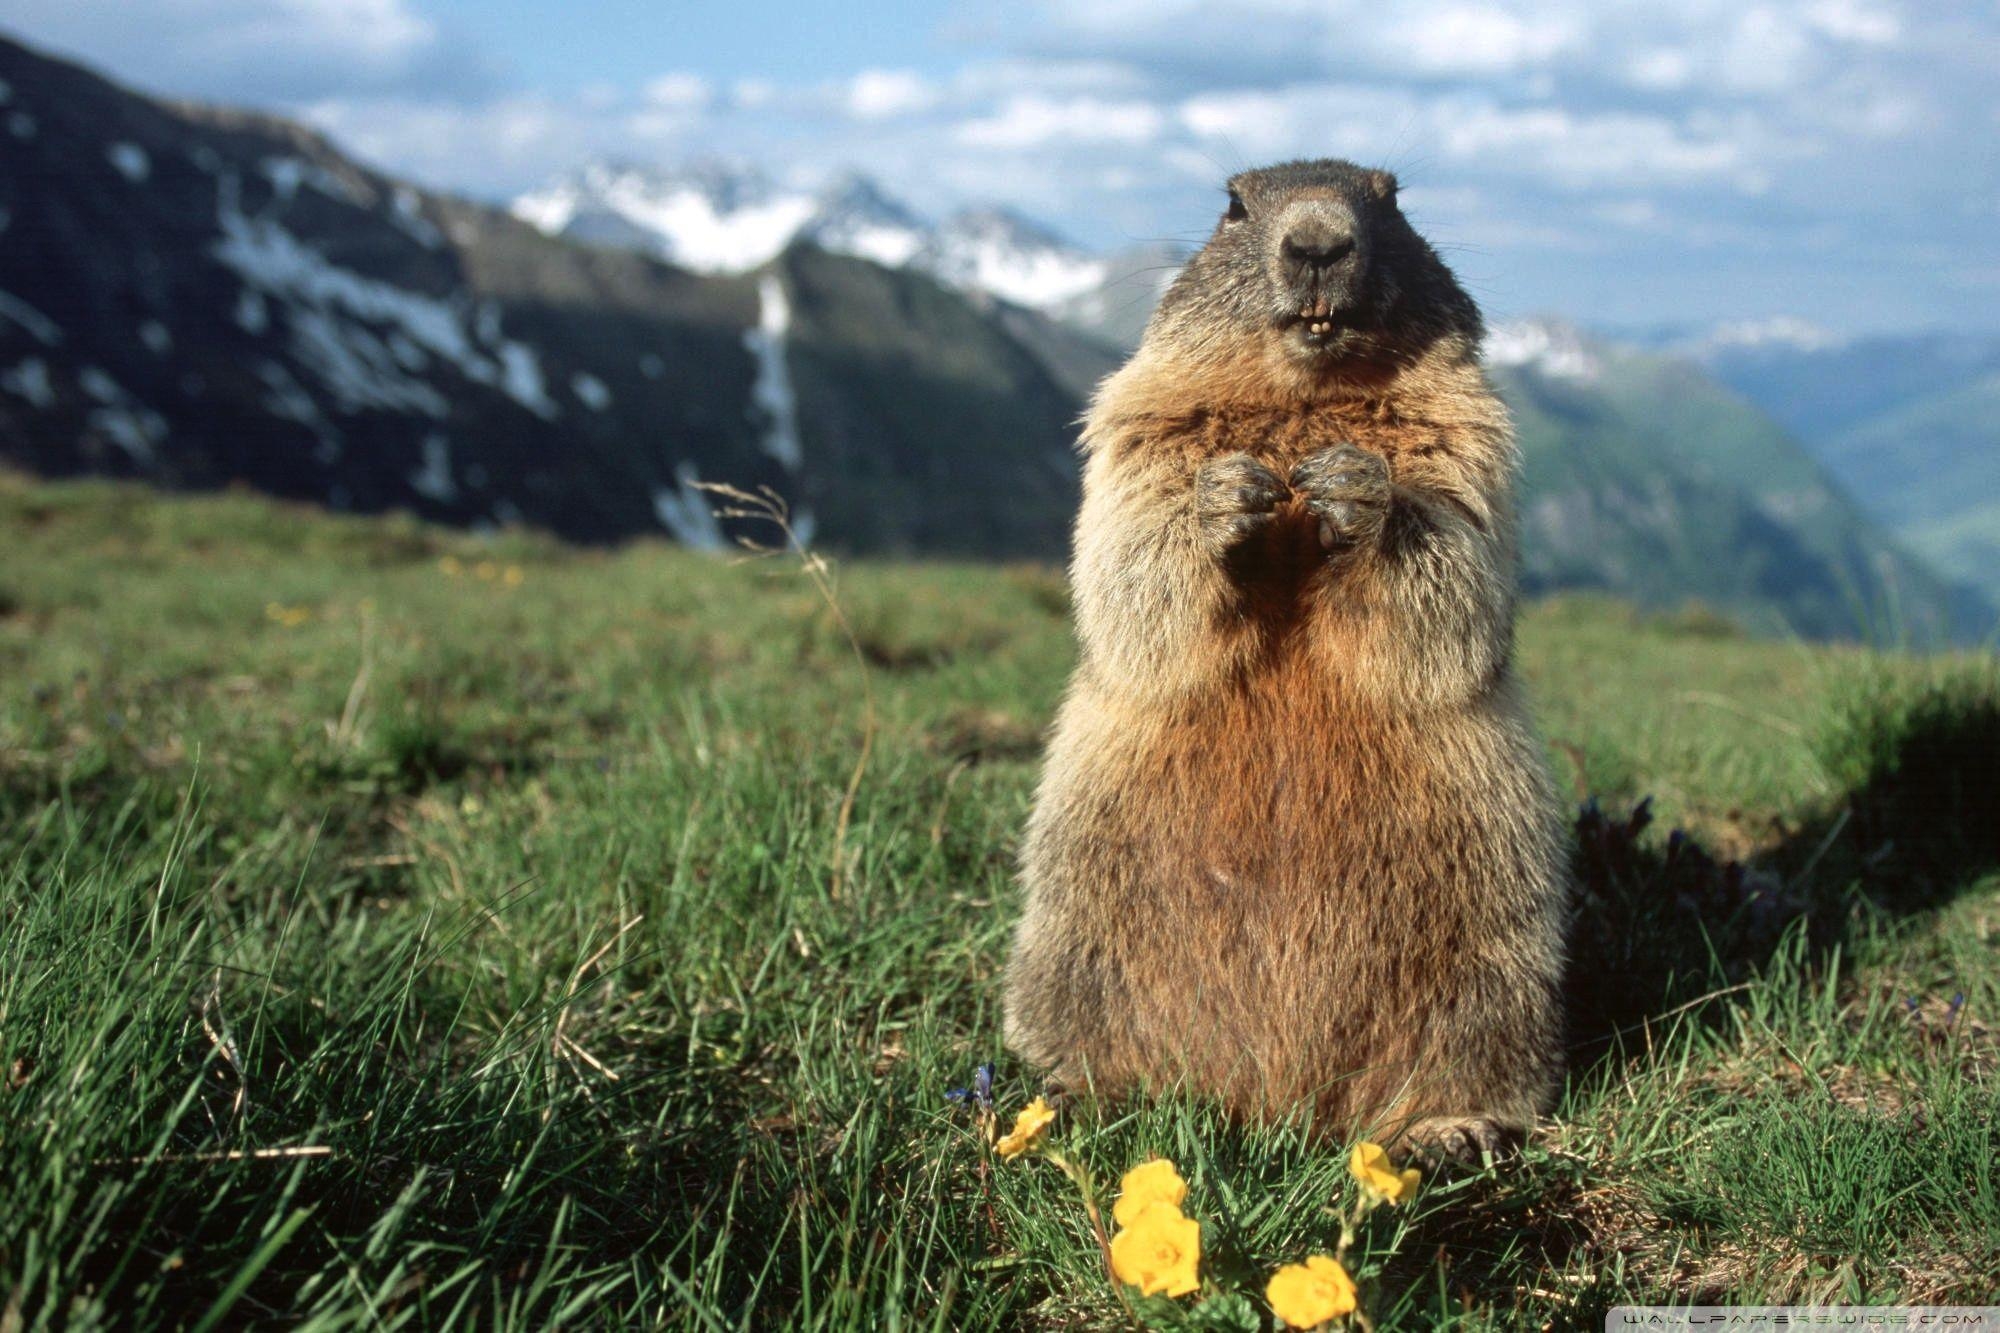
(1468, 1140)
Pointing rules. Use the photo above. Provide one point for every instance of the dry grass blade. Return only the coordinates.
(766, 505)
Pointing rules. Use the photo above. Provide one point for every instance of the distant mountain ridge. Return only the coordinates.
(1910, 424)
(201, 297)
(717, 217)
(1643, 475)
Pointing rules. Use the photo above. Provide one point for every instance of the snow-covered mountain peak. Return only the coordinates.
(720, 217)
(713, 217)
(999, 251)
(852, 215)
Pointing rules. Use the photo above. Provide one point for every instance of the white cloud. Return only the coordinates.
(877, 94)
(485, 148)
(1484, 39)
(679, 91)
(751, 94)
(1471, 133)
(1032, 120)
(989, 79)
(384, 32)
(1316, 120)
(1855, 21)
(254, 49)
(1660, 67)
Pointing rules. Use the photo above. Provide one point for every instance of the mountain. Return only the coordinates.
(1643, 475)
(723, 218)
(204, 297)
(1910, 425)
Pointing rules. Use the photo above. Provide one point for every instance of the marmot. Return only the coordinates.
(1294, 843)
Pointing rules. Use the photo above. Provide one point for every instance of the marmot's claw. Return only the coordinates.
(1348, 489)
(1236, 496)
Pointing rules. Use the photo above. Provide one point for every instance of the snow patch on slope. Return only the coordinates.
(30, 380)
(119, 418)
(43, 329)
(683, 510)
(433, 479)
(406, 210)
(286, 174)
(253, 316)
(333, 313)
(771, 394)
(131, 161)
(591, 391)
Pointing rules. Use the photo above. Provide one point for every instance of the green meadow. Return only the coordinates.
(401, 928)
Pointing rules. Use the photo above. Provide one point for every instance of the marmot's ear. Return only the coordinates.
(1382, 185)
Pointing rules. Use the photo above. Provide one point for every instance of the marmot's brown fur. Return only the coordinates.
(1294, 844)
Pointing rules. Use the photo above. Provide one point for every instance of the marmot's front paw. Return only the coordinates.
(1347, 489)
(1234, 497)
(1464, 1140)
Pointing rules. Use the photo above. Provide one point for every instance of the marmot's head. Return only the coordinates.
(1315, 262)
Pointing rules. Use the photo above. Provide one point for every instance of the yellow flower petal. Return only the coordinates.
(1029, 1127)
(1159, 1253)
(1307, 1295)
(1155, 1181)
(1371, 1166)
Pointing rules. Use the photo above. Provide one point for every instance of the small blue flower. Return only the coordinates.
(980, 1094)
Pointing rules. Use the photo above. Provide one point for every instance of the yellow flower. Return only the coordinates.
(449, 566)
(1145, 1185)
(512, 576)
(1372, 1168)
(1027, 1131)
(487, 569)
(291, 617)
(1159, 1251)
(1307, 1295)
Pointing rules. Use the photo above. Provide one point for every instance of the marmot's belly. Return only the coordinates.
(1272, 897)
(1251, 806)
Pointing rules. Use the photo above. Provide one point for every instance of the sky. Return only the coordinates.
(1682, 163)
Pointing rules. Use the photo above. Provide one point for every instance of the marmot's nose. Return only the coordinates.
(1316, 243)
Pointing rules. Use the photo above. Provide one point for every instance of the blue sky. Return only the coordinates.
(1686, 162)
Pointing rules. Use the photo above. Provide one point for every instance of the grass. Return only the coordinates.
(390, 941)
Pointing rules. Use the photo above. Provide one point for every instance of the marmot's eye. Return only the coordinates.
(1236, 211)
